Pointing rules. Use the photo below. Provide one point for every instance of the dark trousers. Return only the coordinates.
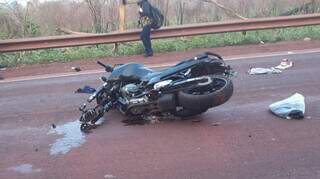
(145, 38)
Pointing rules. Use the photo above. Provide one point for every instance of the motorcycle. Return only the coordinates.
(187, 89)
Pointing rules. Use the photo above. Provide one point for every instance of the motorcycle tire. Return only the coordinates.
(207, 99)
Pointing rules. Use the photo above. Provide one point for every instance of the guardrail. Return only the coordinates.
(168, 32)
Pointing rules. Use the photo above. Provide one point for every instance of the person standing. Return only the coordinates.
(147, 22)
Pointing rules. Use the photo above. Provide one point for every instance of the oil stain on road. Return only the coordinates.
(72, 138)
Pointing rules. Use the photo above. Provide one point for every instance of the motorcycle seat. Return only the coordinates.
(157, 76)
(134, 71)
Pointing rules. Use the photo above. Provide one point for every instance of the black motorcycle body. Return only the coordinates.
(189, 88)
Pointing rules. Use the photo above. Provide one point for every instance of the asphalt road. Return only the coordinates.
(240, 139)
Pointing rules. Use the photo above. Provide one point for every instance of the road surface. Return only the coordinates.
(240, 139)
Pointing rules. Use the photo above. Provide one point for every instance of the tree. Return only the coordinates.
(95, 7)
(16, 20)
(227, 10)
(179, 10)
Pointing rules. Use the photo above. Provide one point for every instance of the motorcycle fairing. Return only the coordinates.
(130, 72)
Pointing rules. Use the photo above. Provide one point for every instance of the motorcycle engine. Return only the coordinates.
(130, 102)
(130, 91)
(133, 103)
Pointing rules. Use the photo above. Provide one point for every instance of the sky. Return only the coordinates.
(22, 2)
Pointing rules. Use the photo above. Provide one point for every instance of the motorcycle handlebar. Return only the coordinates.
(108, 68)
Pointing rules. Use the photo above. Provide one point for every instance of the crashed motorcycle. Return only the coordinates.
(189, 88)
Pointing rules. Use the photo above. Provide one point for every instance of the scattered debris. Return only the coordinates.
(233, 74)
(290, 108)
(77, 69)
(85, 89)
(262, 42)
(53, 126)
(197, 120)
(216, 123)
(152, 119)
(109, 176)
(155, 121)
(285, 64)
(24, 169)
(307, 39)
(261, 71)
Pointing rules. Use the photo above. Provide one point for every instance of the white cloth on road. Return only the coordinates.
(292, 107)
(261, 71)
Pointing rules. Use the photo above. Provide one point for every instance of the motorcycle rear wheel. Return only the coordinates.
(204, 97)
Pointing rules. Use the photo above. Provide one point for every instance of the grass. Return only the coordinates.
(163, 45)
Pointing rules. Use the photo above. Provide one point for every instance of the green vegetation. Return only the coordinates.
(163, 45)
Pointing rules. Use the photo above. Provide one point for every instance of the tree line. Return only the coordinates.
(101, 16)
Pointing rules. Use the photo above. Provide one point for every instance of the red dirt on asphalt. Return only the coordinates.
(41, 69)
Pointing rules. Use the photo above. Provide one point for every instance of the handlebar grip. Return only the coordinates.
(100, 63)
(108, 68)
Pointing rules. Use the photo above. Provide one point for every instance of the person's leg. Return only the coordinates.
(149, 45)
(145, 37)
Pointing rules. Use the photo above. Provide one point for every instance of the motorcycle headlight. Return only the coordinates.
(162, 84)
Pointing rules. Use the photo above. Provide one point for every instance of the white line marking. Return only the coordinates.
(89, 72)
(275, 54)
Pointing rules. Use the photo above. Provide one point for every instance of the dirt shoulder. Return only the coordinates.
(161, 58)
